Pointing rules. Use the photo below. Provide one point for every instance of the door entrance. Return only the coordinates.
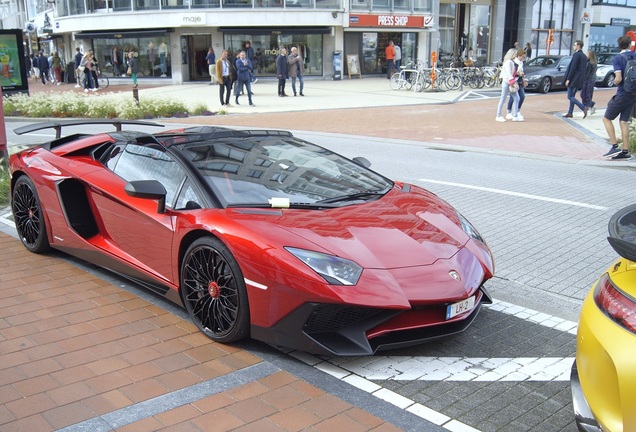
(197, 46)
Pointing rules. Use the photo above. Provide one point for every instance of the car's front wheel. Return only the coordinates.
(213, 291)
(546, 85)
(28, 216)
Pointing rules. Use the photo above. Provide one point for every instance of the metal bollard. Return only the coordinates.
(136, 95)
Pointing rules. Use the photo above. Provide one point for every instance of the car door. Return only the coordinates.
(562, 67)
(132, 228)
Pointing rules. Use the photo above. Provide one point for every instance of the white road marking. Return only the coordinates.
(517, 194)
(360, 371)
(404, 368)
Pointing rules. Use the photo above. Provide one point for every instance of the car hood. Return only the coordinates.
(402, 229)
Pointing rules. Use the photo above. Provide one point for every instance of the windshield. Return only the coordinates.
(256, 170)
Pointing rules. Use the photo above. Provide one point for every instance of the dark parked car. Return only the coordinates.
(257, 233)
(605, 71)
(546, 72)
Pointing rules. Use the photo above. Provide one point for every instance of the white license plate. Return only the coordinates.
(460, 307)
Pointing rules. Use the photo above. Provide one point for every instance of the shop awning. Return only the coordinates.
(120, 34)
(275, 30)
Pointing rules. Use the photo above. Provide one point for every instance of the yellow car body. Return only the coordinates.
(603, 378)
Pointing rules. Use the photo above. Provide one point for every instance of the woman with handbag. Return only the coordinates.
(509, 86)
(133, 67)
(521, 81)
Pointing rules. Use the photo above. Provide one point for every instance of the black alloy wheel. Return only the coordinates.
(213, 291)
(28, 216)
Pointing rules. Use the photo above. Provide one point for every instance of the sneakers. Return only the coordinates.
(519, 118)
(500, 119)
(623, 154)
(509, 116)
(85, 90)
(255, 81)
(612, 152)
(78, 86)
(592, 110)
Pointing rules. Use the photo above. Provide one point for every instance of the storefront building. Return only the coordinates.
(172, 37)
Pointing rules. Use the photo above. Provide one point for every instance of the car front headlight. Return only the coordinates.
(533, 77)
(470, 229)
(335, 270)
(602, 71)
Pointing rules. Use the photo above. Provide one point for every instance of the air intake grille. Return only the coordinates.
(331, 318)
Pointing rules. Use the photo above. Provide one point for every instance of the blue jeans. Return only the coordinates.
(573, 100)
(505, 91)
(522, 97)
(239, 86)
(302, 84)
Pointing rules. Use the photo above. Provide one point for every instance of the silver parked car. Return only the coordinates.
(605, 70)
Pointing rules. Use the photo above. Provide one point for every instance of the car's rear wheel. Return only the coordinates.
(213, 291)
(609, 80)
(28, 216)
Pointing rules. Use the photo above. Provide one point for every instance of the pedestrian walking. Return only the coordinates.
(282, 71)
(210, 58)
(621, 104)
(587, 92)
(56, 62)
(575, 78)
(296, 70)
(528, 50)
(521, 82)
(243, 67)
(397, 60)
(389, 54)
(78, 72)
(133, 67)
(509, 87)
(224, 77)
(43, 64)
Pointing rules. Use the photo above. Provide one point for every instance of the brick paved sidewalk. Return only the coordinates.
(80, 353)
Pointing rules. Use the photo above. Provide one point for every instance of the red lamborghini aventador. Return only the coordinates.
(257, 233)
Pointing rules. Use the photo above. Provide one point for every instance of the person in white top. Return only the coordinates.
(508, 79)
(521, 79)
(398, 56)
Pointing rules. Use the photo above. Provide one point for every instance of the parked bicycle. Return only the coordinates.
(102, 80)
(404, 78)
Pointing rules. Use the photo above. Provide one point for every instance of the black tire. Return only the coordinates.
(545, 85)
(28, 216)
(213, 291)
(103, 81)
(609, 80)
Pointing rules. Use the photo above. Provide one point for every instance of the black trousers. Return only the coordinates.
(281, 86)
(225, 88)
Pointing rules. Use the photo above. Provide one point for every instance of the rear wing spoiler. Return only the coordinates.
(622, 232)
(59, 124)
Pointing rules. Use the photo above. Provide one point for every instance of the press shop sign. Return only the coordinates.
(388, 20)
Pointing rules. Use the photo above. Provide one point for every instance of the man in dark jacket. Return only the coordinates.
(43, 64)
(575, 78)
(282, 71)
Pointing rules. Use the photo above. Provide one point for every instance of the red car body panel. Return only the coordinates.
(416, 258)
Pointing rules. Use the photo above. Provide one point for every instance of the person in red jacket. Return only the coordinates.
(390, 57)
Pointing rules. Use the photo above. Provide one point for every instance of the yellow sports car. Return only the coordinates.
(603, 376)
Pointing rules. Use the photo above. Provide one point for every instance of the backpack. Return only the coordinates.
(629, 78)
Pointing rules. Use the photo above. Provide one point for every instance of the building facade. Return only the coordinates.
(172, 37)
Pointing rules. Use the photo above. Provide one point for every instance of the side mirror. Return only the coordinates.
(362, 161)
(148, 189)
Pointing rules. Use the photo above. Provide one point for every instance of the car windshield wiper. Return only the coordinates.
(354, 196)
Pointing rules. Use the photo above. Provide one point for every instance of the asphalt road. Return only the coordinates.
(546, 223)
